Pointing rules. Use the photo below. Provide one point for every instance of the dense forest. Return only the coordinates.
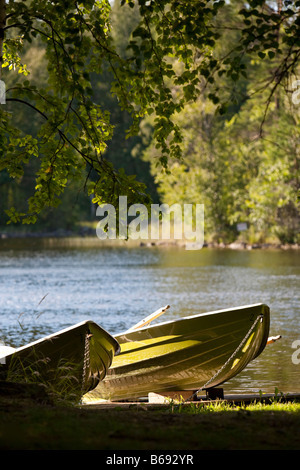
(242, 163)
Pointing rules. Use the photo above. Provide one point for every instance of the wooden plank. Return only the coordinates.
(167, 397)
(201, 400)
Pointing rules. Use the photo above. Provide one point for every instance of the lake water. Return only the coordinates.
(43, 290)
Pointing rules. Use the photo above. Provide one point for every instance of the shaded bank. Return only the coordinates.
(38, 425)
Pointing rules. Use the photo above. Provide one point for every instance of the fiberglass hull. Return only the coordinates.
(200, 351)
(73, 360)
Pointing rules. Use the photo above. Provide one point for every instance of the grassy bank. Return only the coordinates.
(28, 424)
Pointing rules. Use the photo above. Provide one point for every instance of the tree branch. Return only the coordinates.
(28, 104)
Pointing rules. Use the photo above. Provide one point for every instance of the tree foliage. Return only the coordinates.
(244, 164)
(174, 56)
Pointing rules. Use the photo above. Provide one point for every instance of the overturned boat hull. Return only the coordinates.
(192, 353)
(73, 360)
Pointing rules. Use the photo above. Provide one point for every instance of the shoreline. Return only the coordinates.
(87, 238)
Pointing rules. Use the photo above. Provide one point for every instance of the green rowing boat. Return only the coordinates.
(191, 353)
(73, 360)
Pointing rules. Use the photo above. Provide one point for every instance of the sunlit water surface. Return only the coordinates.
(45, 290)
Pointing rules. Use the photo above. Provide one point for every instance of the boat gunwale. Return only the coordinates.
(213, 312)
(52, 336)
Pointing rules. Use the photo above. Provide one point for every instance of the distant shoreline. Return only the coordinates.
(88, 238)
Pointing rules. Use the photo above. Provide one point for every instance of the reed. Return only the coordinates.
(61, 383)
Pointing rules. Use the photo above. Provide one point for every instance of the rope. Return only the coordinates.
(86, 359)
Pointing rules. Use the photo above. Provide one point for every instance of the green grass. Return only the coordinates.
(27, 424)
(220, 406)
